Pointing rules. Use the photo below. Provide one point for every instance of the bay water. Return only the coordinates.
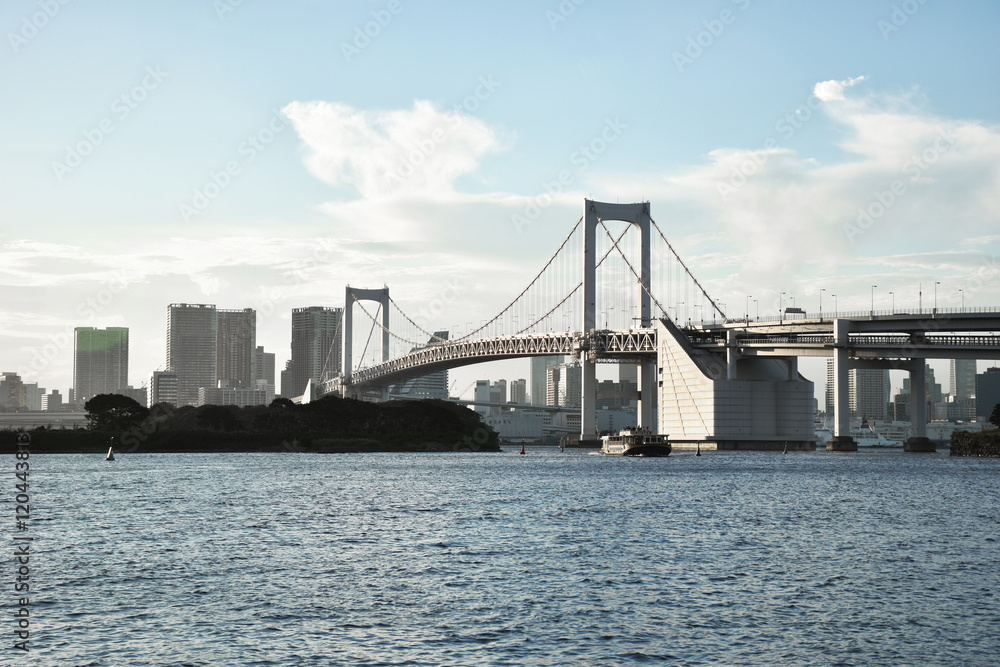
(551, 558)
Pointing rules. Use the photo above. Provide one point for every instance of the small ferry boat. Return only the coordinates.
(635, 442)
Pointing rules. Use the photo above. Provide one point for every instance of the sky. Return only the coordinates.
(264, 154)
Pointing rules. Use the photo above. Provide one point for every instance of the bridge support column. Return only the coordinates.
(593, 214)
(918, 440)
(380, 296)
(588, 399)
(842, 440)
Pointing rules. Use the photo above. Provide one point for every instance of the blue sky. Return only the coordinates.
(164, 96)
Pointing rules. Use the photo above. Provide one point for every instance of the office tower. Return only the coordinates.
(869, 392)
(162, 387)
(236, 348)
(432, 385)
(316, 347)
(963, 378)
(987, 392)
(519, 391)
(100, 361)
(539, 381)
(264, 367)
(192, 348)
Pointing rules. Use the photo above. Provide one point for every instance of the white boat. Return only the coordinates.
(635, 442)
(866, 436)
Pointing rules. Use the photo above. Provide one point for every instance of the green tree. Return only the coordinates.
(995, 415)
(218, 417)
(114, 413)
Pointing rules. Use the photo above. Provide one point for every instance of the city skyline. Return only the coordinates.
(781, 162)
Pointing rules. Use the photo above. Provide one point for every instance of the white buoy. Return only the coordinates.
(111, 454)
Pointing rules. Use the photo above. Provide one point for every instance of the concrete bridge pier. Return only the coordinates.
(918, 440)
(841, 440)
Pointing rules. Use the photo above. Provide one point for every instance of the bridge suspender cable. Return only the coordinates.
(686, 269)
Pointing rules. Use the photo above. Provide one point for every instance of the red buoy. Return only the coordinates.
(522, 448)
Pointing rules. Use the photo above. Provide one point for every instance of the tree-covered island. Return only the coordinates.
(330, 424)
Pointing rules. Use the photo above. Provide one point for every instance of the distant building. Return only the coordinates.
(260, 394)
(192, 348)
(12, 392)
(100, 361)
(236, 346)
(286, 381)
(963, 378)
(264, 365)
(482, 395)
(317, 348)
(868, 390)
(432, 385)
(519, 392)
(563, 385)
(162, 387)
(52, 402)
(33, 396)
(137, 394)
(539, 378)
(987, 392)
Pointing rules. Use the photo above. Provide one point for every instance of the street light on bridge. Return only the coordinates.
(893, 295)
(821, 290)
(834, 305)
(872, 313)
(962, 292)
(936, 283)
(747, 313)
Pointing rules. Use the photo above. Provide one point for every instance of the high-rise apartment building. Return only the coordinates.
(100, 361)
(192, 348)
(236, 345)
(317, 347)
(264, 366)
(539, 378)
(563, 385)
(519, 391)
(869, 392)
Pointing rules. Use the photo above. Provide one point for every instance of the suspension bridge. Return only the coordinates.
(622, 294)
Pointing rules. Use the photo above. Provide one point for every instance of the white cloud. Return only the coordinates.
(411, 151)
(909, 182)
(829, 91)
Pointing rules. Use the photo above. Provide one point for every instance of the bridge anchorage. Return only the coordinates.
(705, 380)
